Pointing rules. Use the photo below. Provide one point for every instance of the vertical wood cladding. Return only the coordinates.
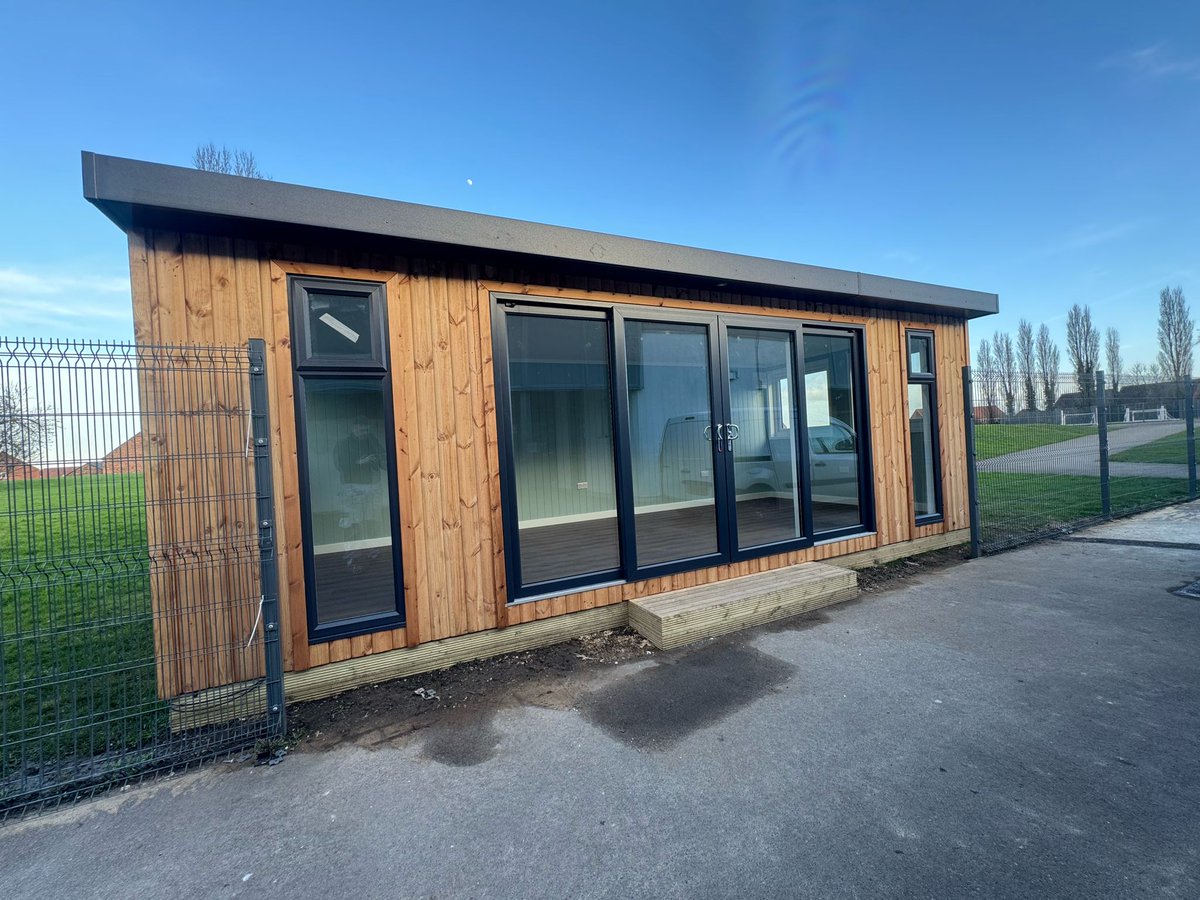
(190, 288)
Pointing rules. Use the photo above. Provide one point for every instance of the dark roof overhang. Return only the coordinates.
(134, 193)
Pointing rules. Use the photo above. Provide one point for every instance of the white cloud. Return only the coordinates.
(1093, 234)
(1155, 62)
(62, 300)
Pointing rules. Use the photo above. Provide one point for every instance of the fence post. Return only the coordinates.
(1189, 411)
(972, 472)
(265, 513)
(1102, 428)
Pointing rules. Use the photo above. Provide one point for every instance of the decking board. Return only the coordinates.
(680, 617)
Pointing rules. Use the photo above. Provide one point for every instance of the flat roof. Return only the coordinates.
(123, 188)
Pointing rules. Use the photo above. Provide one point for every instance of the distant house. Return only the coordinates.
(70, 471)
(125, 459)
(14, 469)
(986, 415)
(1163, 393)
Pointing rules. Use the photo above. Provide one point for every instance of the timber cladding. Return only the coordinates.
(197, 288)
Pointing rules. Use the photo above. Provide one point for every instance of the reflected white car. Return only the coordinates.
(685, 462)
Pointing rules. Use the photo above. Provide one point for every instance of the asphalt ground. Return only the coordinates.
(1018, 726)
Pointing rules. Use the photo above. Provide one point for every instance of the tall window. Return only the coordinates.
(923, 427)
(347, 457)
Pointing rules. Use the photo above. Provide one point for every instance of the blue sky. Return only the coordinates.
(1046, 151)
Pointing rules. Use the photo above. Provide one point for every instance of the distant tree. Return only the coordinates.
(1025, 362)
(985, 374)
(1176, 335)
(1048, 362)
(24, 428)
(211, 158)
(1083, 349)
(1006, 369)
(1112, 358)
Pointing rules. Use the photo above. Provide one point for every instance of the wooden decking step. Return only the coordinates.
(680, 617)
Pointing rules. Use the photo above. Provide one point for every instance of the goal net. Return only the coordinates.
(1148, 415)
(1079, 418)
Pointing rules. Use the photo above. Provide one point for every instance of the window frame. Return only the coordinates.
(303, 359)
(862, 431)
(328, 368)
(615, 313)
(925, 378)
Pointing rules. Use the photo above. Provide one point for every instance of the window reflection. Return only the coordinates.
(830, 400)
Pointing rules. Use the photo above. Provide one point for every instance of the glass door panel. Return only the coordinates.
(833, 445)
(760, 436)
(562, 446)
(671, 441)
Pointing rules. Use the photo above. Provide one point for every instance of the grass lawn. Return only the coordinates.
(1017, 504)
(77, 672)
(1169, 449)
(996, 440)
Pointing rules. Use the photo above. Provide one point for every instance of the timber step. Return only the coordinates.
(680, 617)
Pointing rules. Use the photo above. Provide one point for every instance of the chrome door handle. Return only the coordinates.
(708, 433)
(732, 433)
(719, 426)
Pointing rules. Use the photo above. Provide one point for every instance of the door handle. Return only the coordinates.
(732, 433)
(719, 426)
(708, 433)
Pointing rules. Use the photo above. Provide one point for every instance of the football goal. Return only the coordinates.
(1148, 415)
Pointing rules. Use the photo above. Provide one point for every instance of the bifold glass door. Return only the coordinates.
(761, 430)
(638, 442)
(671, 451)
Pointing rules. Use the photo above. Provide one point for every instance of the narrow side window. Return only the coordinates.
(923, 427)
(347, 457)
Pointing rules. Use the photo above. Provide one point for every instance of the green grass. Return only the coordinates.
(996, 440)
(77, 672)
(1169, 449)
(1016, 504)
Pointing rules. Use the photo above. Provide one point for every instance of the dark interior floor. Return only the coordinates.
(354, 583)
(559, 551)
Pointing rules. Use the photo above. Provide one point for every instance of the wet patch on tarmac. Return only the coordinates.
(657, 707)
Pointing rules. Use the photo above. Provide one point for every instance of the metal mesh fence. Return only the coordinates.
(1097, 450)
(130, 563)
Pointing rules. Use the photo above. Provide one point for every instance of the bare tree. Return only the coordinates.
(1083, 349)
(24, 429)
(1006, 369)
(1048, 362)
(1176, 334)
(1025, 362)
(211, 158)
(1112, 358)
(985, 375)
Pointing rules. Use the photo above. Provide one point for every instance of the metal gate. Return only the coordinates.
(139, 617)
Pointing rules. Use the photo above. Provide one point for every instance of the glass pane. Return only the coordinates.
(761, 377)
(339, 325)
(670, 430)
(832, 444)
(919, 352)
(562, 446)
(348, 489)
(920, 430)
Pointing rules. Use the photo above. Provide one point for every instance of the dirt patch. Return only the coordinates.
(893, 575)
(451, 711)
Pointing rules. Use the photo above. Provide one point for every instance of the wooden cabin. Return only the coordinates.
(491, 434)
